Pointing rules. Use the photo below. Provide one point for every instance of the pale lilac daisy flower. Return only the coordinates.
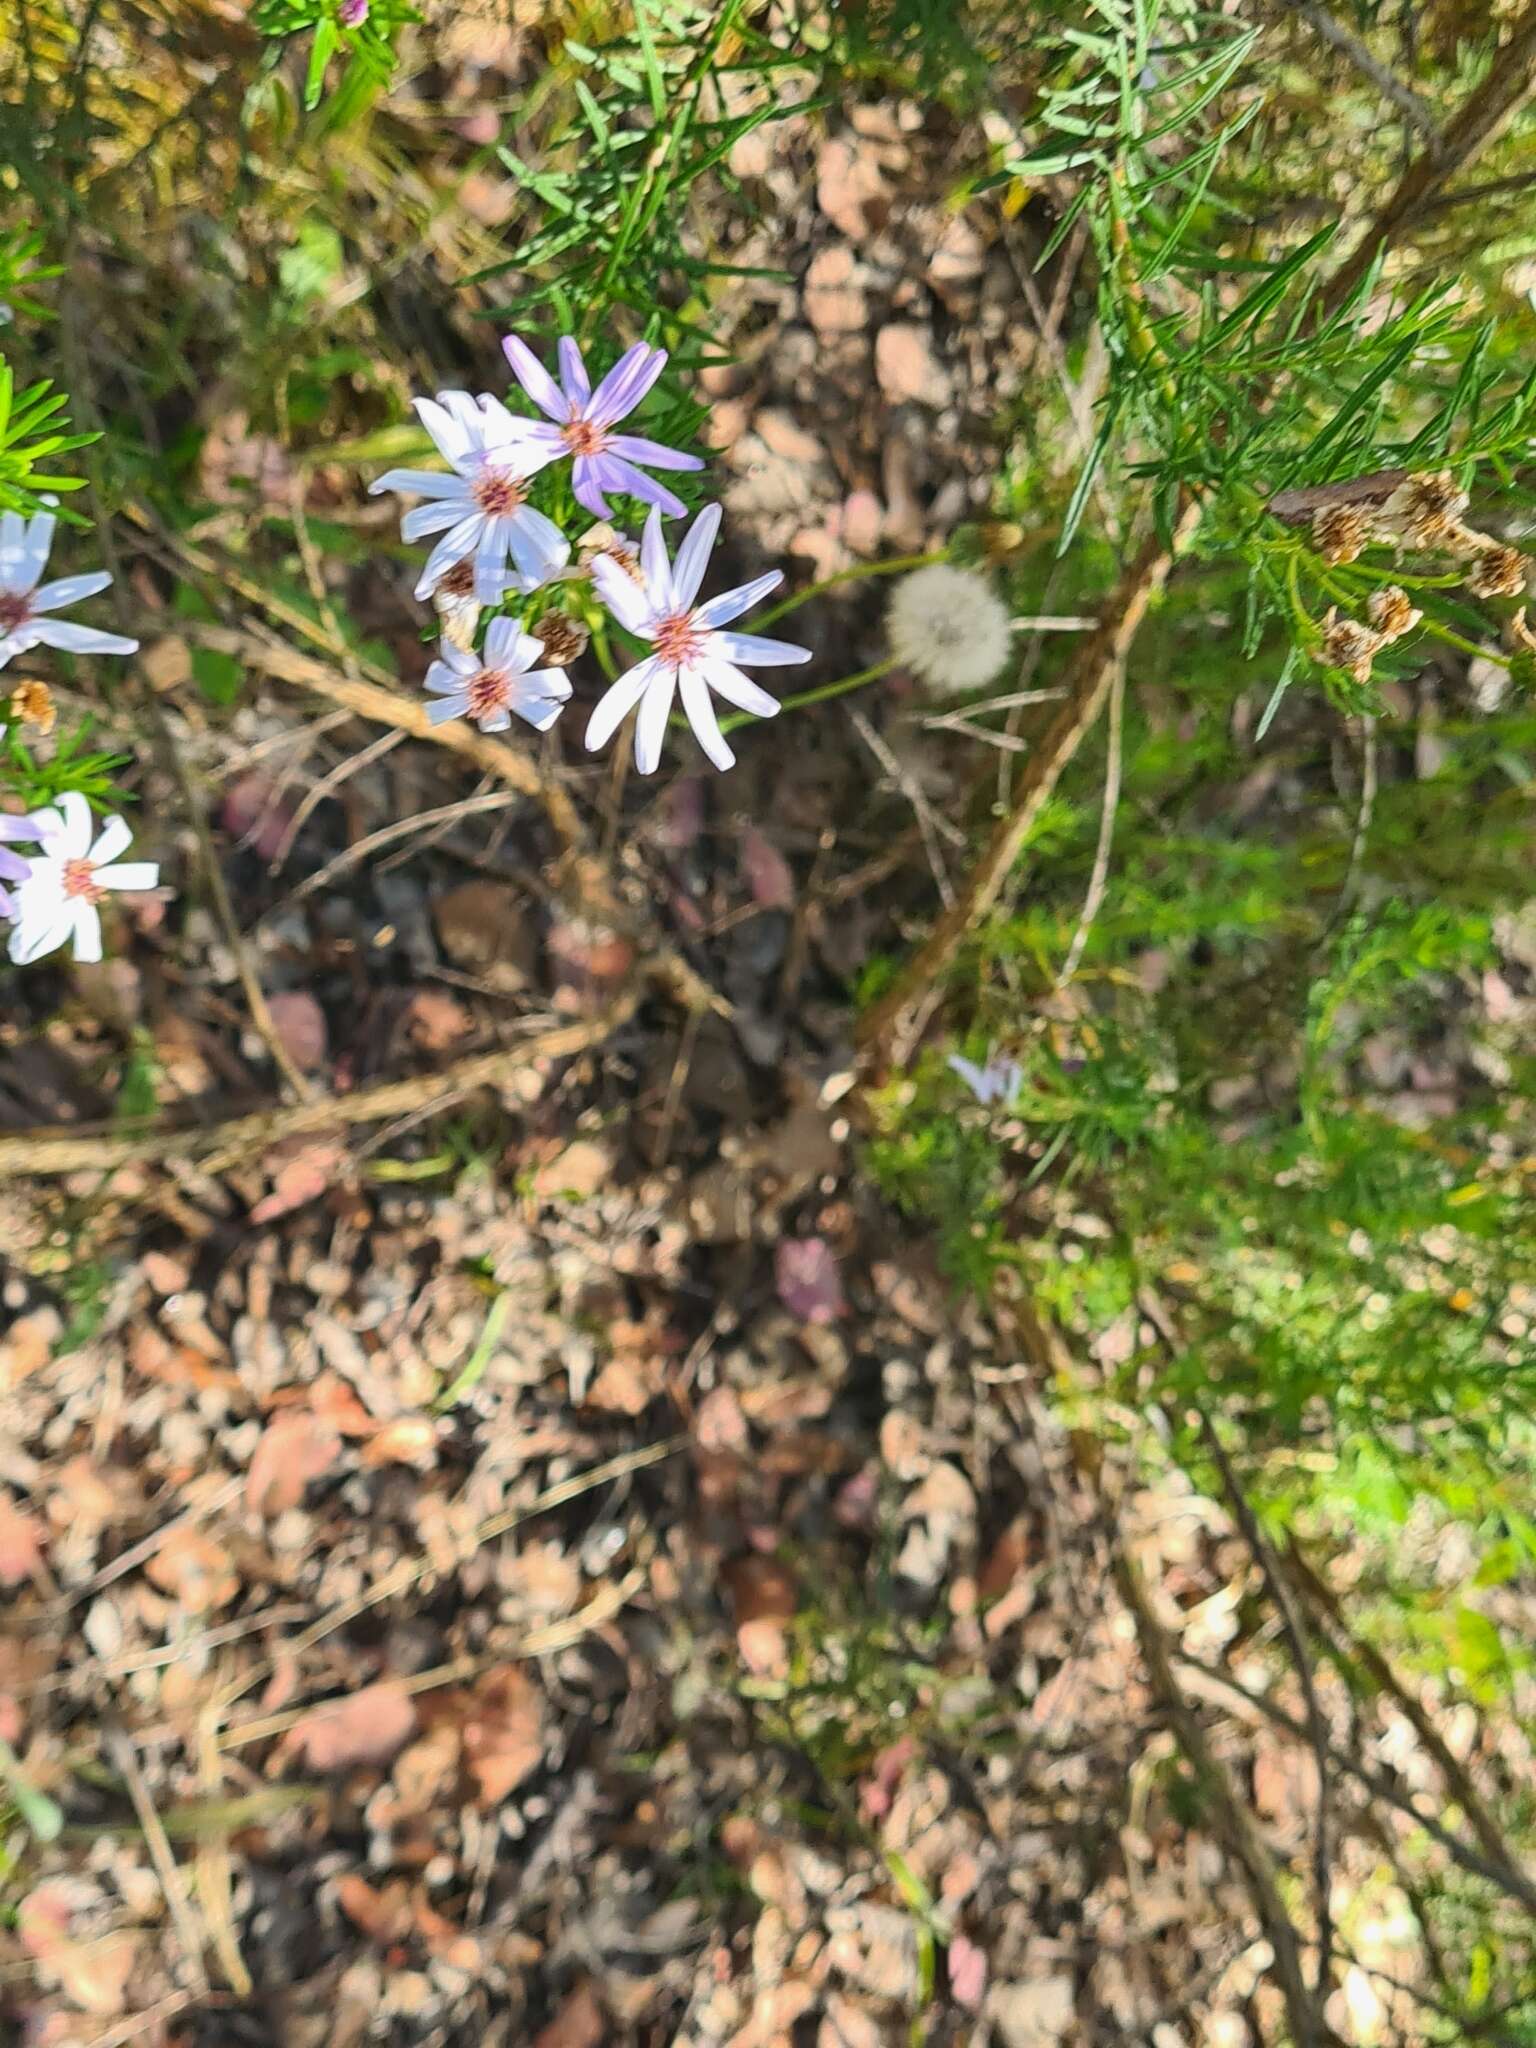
(693, 656)
(26, 605)
(584, 420)
(13, 867)
(56, 904)
(490, 687)
(997, 1081)
(482, 501)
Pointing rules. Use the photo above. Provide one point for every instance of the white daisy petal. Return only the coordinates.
(448, 427)
(759, 653)
(654, 565)
(490, 560)
(623, 596)
(523, 651)
(130, 874)
(700, 713)
(458, 542)
(87, 932)
(448, 707)
(728, 682)
(539, 549)
(68, 590)
(420, 483)
(38, 930)
(79, 639)
(24, 548)
(730, 604)
(435, 516)
(651, 725)
(114, 838)
(693, 557)
(620, 698)
(443, 681)
(500, 638)
(72, 841)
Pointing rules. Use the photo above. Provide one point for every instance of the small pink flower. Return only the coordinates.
(352, 13)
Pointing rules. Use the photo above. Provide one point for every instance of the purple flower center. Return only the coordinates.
(677, 639)
(15, 609)
(497, 492)
(489, 690)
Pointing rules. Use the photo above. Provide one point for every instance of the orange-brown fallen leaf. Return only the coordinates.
(384, 1916)
(195, 1570)
(578, 2023)
(21, 1546)
(368, 1728)
(504, 1734)
(295, 1448)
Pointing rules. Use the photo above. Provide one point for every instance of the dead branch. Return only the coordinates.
(217, 1147)
(1509, 84)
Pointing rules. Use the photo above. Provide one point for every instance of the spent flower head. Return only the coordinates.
(692, 654)
(490, 688)
(1350, 646)
(580, 422)
(56, 904)
(1392, 613)
(27, 606)
(949, 627)
(1498, 572)
(481, 505)
(997, 1080)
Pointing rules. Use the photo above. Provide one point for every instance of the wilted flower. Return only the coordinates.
(692, 655)
(949, 627)
(32, 704)
(56, 903)
(1350, 646)
(997, 1081)
(483, 503)
(1392, 613)
(563, 638)
(1498, 572)
(25, 605)
(584, 419)
(453, 599)
(1340, 533)
(489, 688)
(1426, 510)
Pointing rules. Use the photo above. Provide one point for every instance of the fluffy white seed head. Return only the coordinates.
(949, 627)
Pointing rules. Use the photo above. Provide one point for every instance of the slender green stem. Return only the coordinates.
(474, 1367)
(838, 689)
(893, 567)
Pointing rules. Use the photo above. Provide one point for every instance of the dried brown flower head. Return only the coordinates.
(565, 639)
(1426, 510)
(1350, 646)
(1391, 612)
(1498, 572)
(1340, 533)
(603, 540)
(32, 704)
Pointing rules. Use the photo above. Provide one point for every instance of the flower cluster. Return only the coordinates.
(1425, 511)
(50, 894)
(492, 541)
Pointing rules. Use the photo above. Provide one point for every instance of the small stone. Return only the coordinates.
(834, 303)
(907, 367)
